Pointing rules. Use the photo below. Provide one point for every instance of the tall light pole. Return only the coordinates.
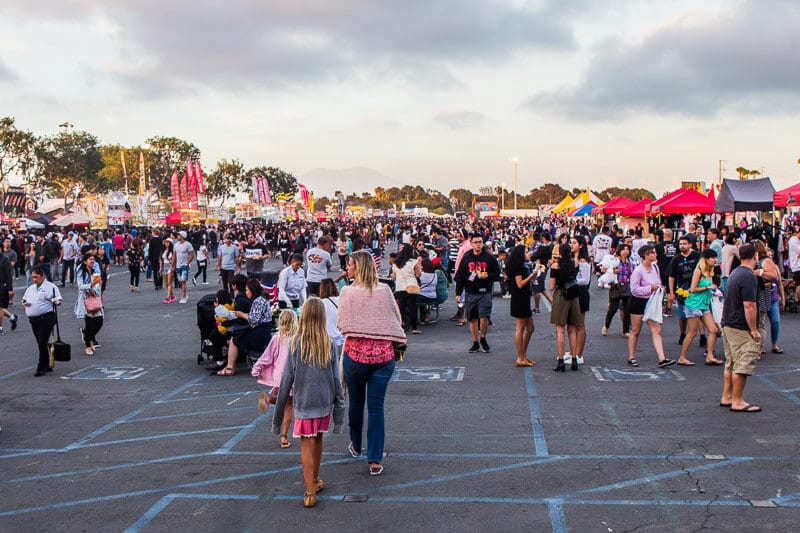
(503, 197)
(515, 162)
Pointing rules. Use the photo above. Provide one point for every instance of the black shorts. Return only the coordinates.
(119, 253)
(636, 305)
(796, 277)
(4, 299)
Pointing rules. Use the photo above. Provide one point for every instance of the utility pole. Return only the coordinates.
(720, 174)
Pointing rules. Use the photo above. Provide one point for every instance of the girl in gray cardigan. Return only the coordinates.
(318, 397)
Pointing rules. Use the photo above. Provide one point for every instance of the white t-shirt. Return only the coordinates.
(319, 262)
(794, 253)
(602, 246)
(183, 251)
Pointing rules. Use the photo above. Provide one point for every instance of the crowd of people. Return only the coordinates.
(719, 281)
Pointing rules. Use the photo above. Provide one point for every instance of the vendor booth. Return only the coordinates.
(738, 196)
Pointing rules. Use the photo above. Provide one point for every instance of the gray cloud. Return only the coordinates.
(247, 44)
(745, 58)
(459, 120)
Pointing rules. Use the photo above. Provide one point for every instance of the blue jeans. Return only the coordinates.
(774, 314)
(367, 382)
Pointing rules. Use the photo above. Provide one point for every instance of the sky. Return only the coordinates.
(586, 93)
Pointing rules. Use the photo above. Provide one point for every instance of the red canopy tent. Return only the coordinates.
(690, 201)
(174, 218)
(782, 196)
(638, 209)
(655, 205)
(613, 206)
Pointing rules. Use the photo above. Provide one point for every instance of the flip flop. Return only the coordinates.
(526, 363)
(747, 409)
(721, 404)
(687, 363)
(715, 362)
(226, 372)
(777, 350)
(287, 443)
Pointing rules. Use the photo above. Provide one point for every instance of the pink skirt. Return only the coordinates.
(311, 427)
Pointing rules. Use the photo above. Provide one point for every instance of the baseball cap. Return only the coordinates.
(182, 234)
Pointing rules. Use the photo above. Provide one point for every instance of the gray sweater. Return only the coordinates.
(317, 391)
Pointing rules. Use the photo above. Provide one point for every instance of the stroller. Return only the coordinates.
(206, 323)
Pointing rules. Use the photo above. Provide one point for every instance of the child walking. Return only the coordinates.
(269, 369)
(311, 369)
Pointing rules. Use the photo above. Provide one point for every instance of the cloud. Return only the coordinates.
(697, 65)
(6, 74)
(459, 120)
(252, 44)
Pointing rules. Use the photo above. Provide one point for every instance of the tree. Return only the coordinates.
(169, 154)
(487, 191)
(114, 175)
(227, 178)
(17, 155)
(280, 181)
(69, 165)
(460, 199)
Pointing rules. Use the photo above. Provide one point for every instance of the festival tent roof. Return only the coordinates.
(613, 206)
(690, 201)
(745, 195)
(585, 210)
(32, 224)
(781, 198)
(73, 219)
(568, 199)
(638, 209)
(655, 204)
(582, 199)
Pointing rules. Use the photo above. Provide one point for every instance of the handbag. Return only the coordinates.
(93, 304)
(237, 328)
(412, 289)
(620, 290)
(59, 350)
(571, 289)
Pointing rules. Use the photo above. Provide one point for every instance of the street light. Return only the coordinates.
(515, 162)
(503, 197)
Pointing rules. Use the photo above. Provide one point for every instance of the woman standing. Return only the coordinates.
(342, 249)
(202, 263)
(135, 260)
(406, 271)
(519, 276)
(644, 281)
(620, 292)
(89, 285)
(697, 307)
(30, 262)
(370, 321)
(580, 254)
(167, 268)
(769, 297)
(566, 312)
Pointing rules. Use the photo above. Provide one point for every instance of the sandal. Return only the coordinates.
(285, 442)
(309, 500)
(777, 349)
(375, 469)
(416, 332)
(318, 485)
(226, 372)
(353, 453)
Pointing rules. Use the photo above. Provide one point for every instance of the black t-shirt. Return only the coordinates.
(681, 268)
(665, 251)
(543, 253)
(512, 273)
(742, 287)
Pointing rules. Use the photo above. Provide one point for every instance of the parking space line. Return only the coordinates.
(774, 386)
(161, 504)
(539, 441)
(193, 413)
(156, 437)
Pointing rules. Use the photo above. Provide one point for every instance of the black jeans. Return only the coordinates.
(42, 327)
(135, 270)
(92, 325)
(613, 306)
(227, 276)
(67, 265)
(408, 308)
(201, 269)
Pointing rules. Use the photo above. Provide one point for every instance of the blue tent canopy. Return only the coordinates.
(585, 210)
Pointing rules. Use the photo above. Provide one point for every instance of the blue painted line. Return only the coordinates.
(787, 498)
(156, 437)
(558, 521)
(246, 430)
(107, 468)
(33, 452)
(205, 397)
(129, 416)
(147, 492)
(530, 501)
(464, 475)
(796, 389)
(194, 413)
(774, 386)
(161, 504)
(777, 373)
(18, 372)
(536, 415)
(658, 477)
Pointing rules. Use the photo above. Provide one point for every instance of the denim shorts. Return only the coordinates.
(695, 313)
(182, 273)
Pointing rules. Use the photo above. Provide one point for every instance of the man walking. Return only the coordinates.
(319, 264)
(740, 332)
(681, 269)
(184, 255)
(227, 259)
(477, 271)
(39, 301)
(154, 257)
(69, 251)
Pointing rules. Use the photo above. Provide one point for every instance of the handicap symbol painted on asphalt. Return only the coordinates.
(614, 374)
(429, 374)
(108, 372)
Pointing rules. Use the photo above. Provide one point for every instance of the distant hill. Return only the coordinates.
(324, 181)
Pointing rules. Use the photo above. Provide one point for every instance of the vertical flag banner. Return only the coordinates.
(198, 174)
(142, 179)
(304, 194)
(267, 197)
(255, 189)
(193, 203)
(176, 191)
(184, 193)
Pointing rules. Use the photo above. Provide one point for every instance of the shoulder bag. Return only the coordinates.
(59, 350)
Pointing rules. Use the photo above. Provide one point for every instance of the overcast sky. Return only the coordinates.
(438, 93)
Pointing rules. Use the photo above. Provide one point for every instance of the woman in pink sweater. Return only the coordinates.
(645, 279)
(370, 321)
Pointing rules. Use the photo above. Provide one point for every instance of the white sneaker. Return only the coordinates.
(580, 360)
(604, 330)
(567, 357)
(194, 282)
(205, 283)
(506, 296)
(183, 300)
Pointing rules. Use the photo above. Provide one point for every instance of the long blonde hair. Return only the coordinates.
(287, 324)
(365, 270)
(312, 340)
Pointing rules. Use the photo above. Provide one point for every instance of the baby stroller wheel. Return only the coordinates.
(200, 359)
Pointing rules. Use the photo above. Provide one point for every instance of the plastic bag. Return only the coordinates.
(654, 308)
(716, 309)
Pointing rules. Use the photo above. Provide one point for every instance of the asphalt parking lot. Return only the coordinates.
(140, 438)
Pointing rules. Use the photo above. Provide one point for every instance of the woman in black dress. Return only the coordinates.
(519, 276)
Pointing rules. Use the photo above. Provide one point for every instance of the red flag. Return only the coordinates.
(198, 174)
(193, 203)
(304, 194)
(175, 192)
(265, 187)
(184, 193)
